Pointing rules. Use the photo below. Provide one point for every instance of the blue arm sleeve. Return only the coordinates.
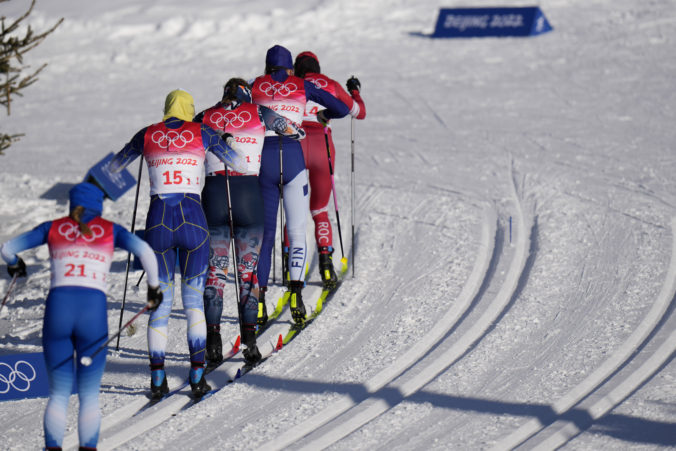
(129, 152)
(335, 109)
(130, 242)
(26, 240)
(213, 143)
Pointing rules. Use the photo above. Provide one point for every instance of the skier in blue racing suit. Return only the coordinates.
(175, 150)
(75, 322)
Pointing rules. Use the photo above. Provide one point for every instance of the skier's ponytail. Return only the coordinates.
(76, 215)
(236, 90)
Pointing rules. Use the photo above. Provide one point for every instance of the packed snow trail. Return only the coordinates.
(605, 373)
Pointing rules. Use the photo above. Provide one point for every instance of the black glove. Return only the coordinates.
(321, 117)
(18, 268)
(154, 298)
(353, 84)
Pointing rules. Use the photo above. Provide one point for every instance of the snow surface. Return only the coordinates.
(515, 204)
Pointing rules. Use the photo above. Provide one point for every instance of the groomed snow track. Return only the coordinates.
(649, 348)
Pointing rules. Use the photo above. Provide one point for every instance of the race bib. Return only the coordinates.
(175, 158)
(78, 259)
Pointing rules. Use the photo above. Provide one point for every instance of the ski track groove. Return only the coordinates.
(165, 409)
(416, 352)
(560, 430)
(374, 406)
(124, 424)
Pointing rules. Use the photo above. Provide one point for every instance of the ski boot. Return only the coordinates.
(198, 384)
(326, 269)
(214, 344)
(286, 274)
(262, 309)
(251, 354)
(158, 382)
(296, 301)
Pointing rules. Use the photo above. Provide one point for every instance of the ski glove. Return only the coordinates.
(154, 298)
(322, 118)
(353, 84)
(18, 268)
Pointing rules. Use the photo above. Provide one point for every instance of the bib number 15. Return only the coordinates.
(172, 177)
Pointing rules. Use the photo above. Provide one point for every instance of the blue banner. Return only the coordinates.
(23, 376)
(112, 184)
(484, 22)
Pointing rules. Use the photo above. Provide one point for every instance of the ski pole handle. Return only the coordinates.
(87, 360)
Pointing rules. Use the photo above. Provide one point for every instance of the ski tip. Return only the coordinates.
(280, 343)
(238, 343)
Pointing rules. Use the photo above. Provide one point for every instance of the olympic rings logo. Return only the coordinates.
(284, 90)
(71, 232)
(236, 120)
(318, 82)
(16, 374)
(172, 138)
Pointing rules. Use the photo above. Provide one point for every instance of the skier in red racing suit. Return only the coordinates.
(316, 155)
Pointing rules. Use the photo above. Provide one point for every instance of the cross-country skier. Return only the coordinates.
(316, 154)
(287, 94)
(246, 123)
(174, 150)
(80, 252)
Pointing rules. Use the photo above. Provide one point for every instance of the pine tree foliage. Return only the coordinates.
(15, 40)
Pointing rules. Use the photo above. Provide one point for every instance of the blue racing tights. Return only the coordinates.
(176, 228)
(75, 320)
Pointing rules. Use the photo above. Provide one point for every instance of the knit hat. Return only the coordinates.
(278, 56)
(179, 104)
(306, 63)
(87, 195)
(307, 53)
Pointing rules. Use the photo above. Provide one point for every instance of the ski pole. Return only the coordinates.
(281, 204)
(133, 225)
(352, 188)
(240, 315)
(9, 290)
(335, 199)
(87, 360)
(232, 235)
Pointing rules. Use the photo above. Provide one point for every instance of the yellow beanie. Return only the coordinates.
(179, 104)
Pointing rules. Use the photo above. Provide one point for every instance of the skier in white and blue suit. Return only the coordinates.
(286, 94)
(81, 251)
